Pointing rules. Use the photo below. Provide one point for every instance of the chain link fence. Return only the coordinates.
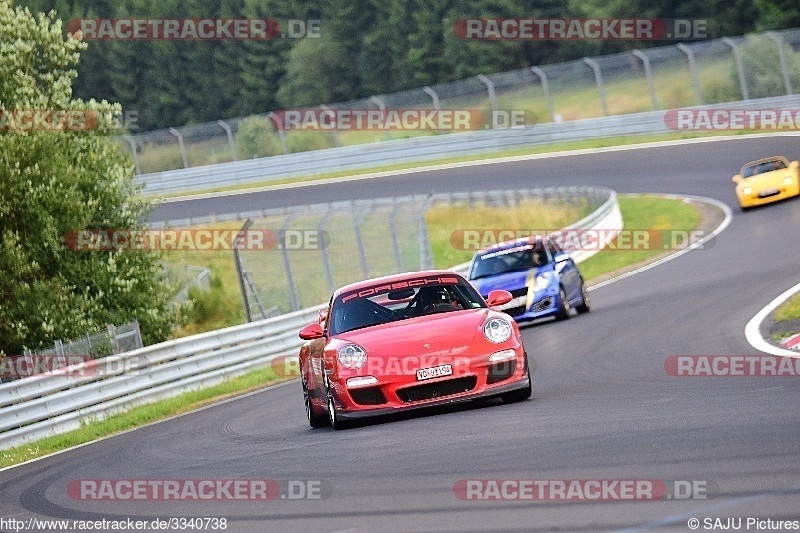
(93, 345)
(321, 247)
(702, 72)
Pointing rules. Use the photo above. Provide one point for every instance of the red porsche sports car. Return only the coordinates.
(408, 341)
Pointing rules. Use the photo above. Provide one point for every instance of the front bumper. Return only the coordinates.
(493, 391)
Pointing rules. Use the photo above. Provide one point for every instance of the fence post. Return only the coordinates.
(137, 338)
(492, 95)
(237, 263)
(738, 58)
(435, 98)
(378, 102)
(782, 57)
(362, 253)
(425, 254)
(182, 146)
(229, 133)
(648, 72)
(598, 78)
(546, 88)
(287, 266)
(331, 113)
(279, 126)
(326, 260)
(135, 154)
(112, 337)
(693, 69)
(398, 260)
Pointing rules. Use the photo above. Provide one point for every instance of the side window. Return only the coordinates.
(553, 247)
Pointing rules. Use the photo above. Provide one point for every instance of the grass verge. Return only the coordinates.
(789, 310)
(639, 212)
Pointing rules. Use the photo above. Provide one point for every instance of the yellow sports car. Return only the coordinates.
(767, 180)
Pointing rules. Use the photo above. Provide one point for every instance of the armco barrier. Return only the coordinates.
(46, 404)
(420, 149)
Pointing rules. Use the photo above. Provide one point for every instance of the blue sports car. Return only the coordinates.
(543, 280)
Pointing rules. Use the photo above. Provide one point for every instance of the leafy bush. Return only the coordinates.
(257, 138)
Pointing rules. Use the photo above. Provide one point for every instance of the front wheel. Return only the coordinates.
(315, 419)
(518, 395)
(334, 419)
(585, 304)
(563, 305)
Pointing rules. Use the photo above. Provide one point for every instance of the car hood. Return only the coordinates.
(443, 333)
(767, 179)
(508, 281)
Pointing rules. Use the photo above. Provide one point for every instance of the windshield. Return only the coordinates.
(390, 303)
(761, 168)
(511, 260)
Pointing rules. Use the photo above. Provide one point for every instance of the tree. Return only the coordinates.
(54, 181)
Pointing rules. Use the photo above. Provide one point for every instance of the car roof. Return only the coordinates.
(394, 278)
(505, 245)
(765, 160)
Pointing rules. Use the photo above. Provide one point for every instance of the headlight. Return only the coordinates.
(543, 280)
(497, 330)
(787, 180)
(747, 190)
(352, 356)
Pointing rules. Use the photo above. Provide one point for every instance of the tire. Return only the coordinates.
(586, 301)
(334, 419)
(315, 419)
(521, 394)
(563, 306)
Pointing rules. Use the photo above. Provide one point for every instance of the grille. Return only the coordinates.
(367, 396)
(437, 389)
(501, 371)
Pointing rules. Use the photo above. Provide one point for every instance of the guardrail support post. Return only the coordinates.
(782, 57)
(693, 69)
(229, 133)
(738, 58)
(598, 78)
(362, 253)
(546, 88)
(648, 72)
(398, 260)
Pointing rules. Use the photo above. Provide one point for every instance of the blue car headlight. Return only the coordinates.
(543, 281)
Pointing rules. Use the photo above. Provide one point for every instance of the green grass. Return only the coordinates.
(645, 213)
(789, 310)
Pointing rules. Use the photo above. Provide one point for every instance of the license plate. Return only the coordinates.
(434, 372)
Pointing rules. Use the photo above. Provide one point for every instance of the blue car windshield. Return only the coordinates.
(493, 263)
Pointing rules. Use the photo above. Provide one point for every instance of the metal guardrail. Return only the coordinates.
(421, 149)
(46, 404)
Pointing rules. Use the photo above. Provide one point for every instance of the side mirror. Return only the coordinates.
(561, 257)
(311, 332)
(736, 179)
(498, 297)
